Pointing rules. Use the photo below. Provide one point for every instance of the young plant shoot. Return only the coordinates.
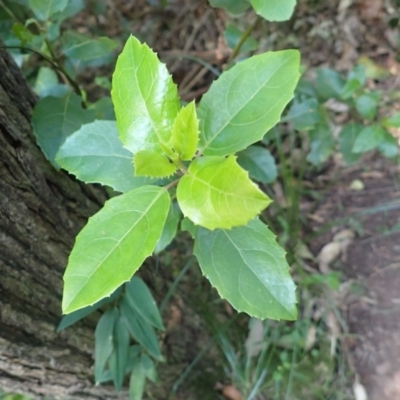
(158, 148)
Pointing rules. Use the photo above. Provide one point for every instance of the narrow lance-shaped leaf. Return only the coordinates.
(249, 269)
(140, 330)
(119, 357)
(185, 132)
(137, 381)
(141, 300)
(113, 245)
(103, 336)
(274, 10)
(145, 98)
(70, 319)
(217, 193)
(149, 367)
(94, 154)
(247, 101)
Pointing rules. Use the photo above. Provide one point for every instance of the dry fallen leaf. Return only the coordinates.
(344, 238)
(328, 254)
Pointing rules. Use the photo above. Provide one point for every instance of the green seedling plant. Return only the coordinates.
(174, 150)
(166, 161)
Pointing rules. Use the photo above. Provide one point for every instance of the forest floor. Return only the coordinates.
(328, 33)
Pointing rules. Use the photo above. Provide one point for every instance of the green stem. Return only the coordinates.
(172, 184)
(244, 37)
(61, 69)
(39, 53)
(176, 283)
(10, 12)
(54, 64)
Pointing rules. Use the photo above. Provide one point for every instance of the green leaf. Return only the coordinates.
(369, 138)
(140, 330)
(170, 228)
(389, 147)
(94, 154)
(153, 164)
(185, 132)
(84, 48)
(347, 137)
(133, 357)
(103, 109)
(188, 226)
(141, 301)
(240, 106)
(217, 193)
(113, 245)
(322, 145)
(54, 119)
(149, 367)
(393, 121)
(119, 357)
(304, 115)
(137, 381)
(70, 319)
(23, 33)
(233, 6)
(46, 78)
(329, 83)
(145, 99)
(367, 105)
(103, 344)
(259, 163)
(233, 35)
(249, 269)
(44, 9)
(355, 81)
(73, 7)
(273, 10)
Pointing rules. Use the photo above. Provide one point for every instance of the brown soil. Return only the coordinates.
(370, 299)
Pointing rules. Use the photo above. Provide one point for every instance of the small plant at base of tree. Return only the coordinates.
(235, 250)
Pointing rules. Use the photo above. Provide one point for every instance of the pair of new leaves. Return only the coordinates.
(236, 252)
(135, 316)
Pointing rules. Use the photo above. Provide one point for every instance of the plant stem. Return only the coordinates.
(172, 184)
(52, 62)
(62, 70)
(244, 37)
(175, 284)
(10, 12)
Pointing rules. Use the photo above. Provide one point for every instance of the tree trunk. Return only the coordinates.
(41, 211)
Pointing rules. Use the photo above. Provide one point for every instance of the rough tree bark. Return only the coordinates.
(41, 211)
